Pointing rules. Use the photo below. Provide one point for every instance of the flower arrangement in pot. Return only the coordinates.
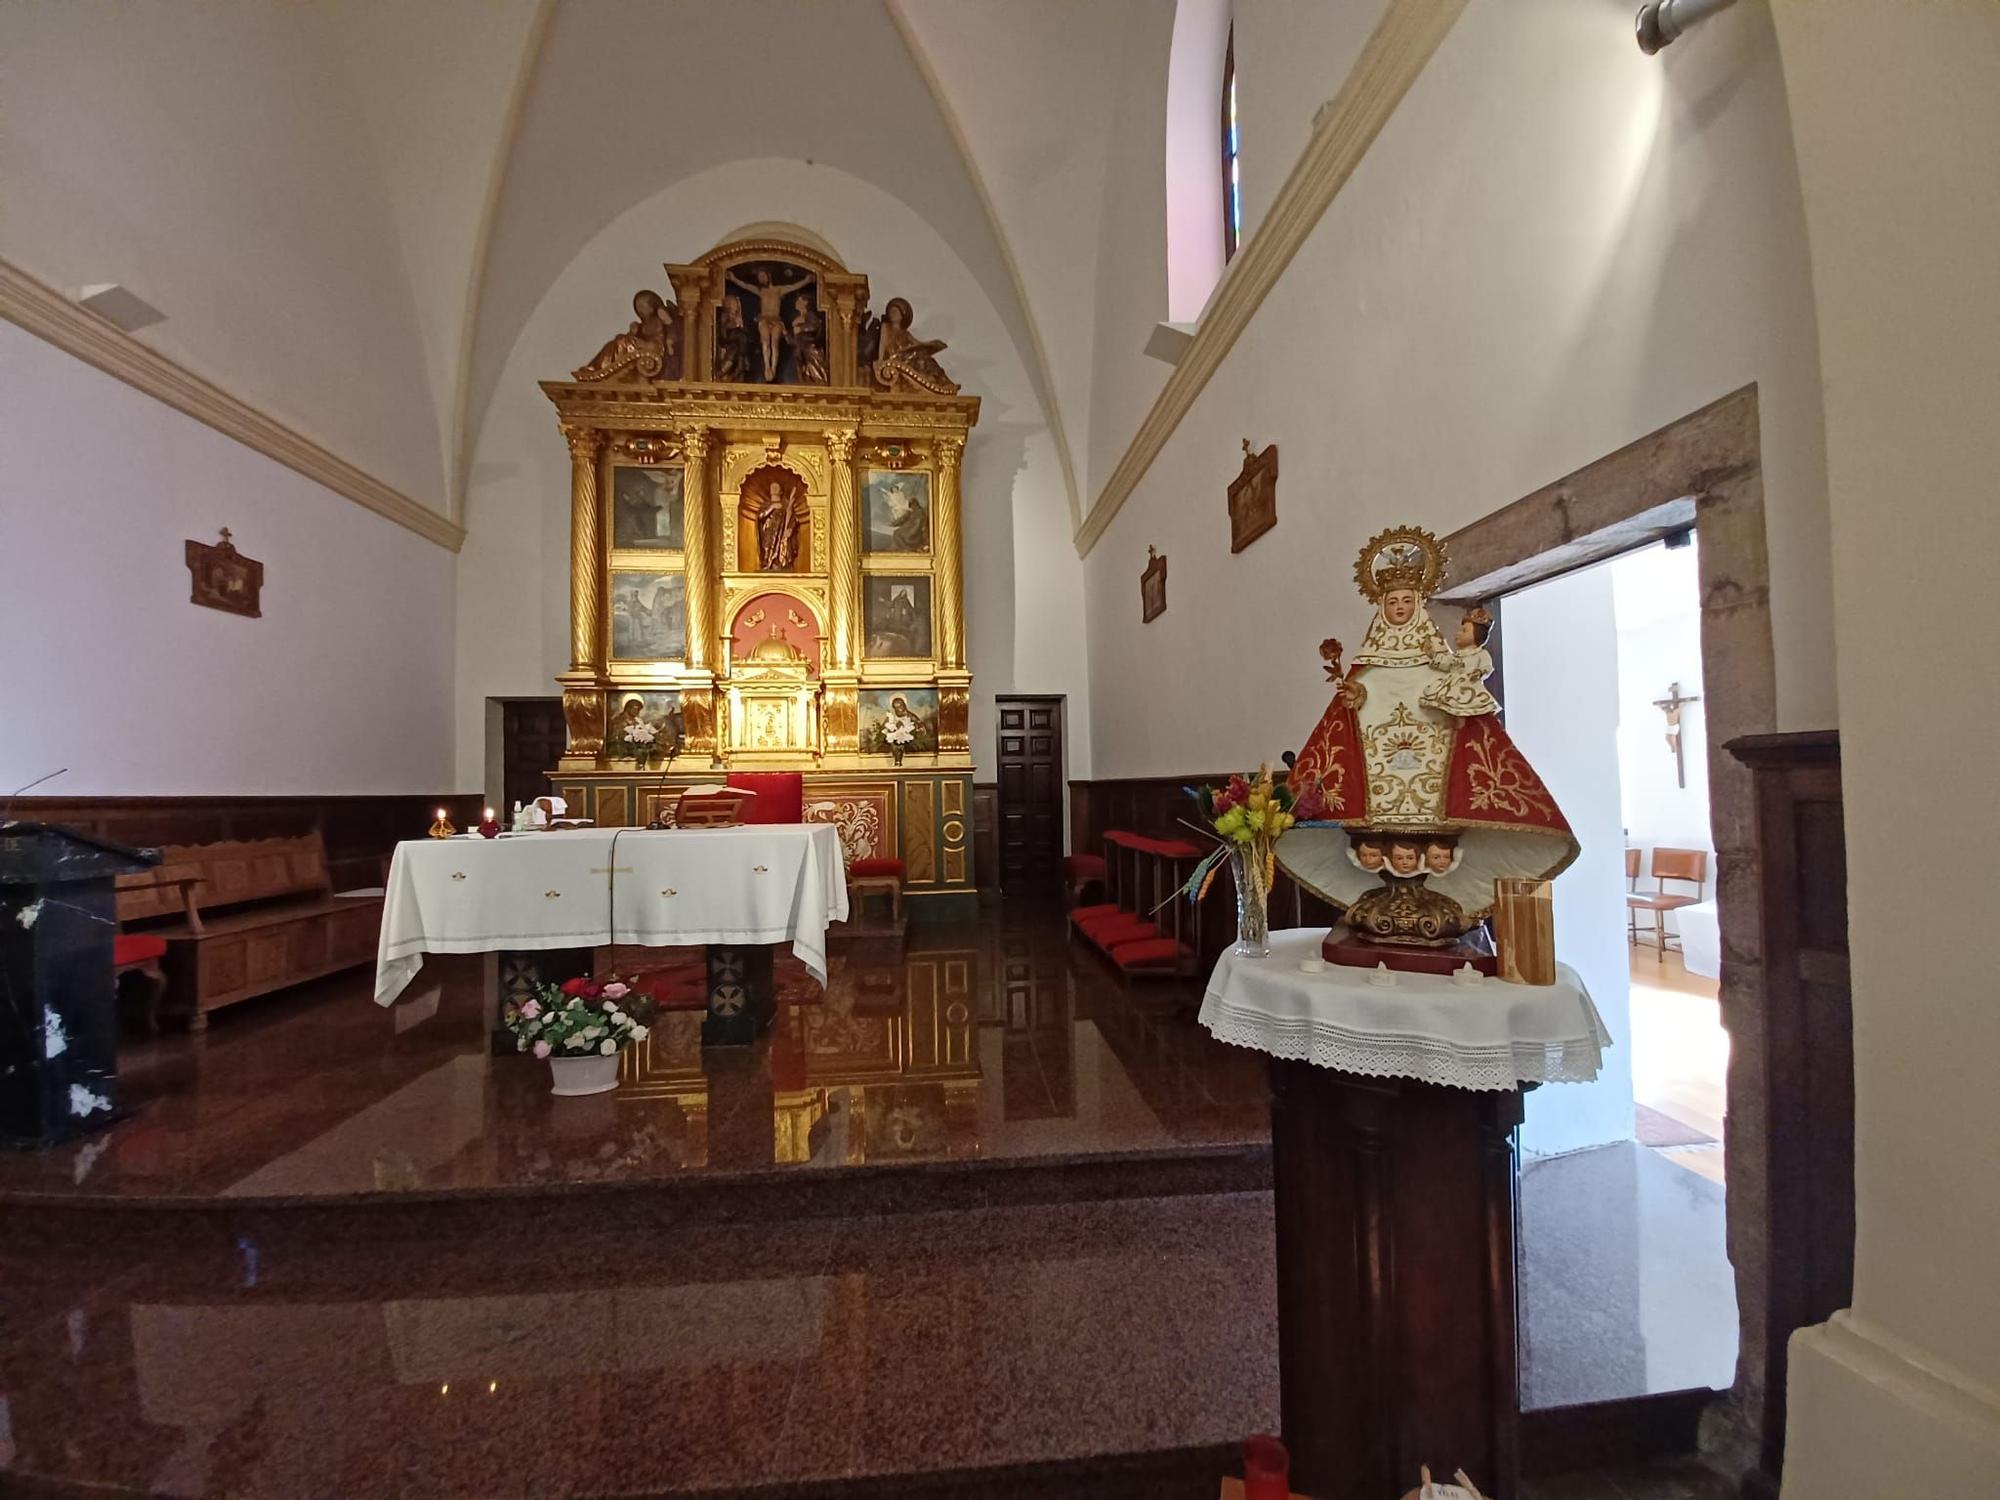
(580, 1026)
(1249, 816)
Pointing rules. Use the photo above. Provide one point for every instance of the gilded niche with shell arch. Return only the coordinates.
(723, 446)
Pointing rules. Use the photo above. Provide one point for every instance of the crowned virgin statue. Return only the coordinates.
(1412, 800)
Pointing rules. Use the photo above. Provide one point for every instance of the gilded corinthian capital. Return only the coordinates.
(585, 442)
(948, 451)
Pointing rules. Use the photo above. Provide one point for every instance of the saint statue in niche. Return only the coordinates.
(770, 297)
(778, 517)
(1413, 800)
(649, 349)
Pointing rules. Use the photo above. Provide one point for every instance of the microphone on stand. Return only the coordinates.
(4, 819)
(658, 823)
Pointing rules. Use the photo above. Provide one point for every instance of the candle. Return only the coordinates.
(1524, 923)
(1266, 1469)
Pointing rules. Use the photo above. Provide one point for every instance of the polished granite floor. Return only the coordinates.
(715, 1361)
(1626, 1287)
(240, 1352)
(997, 1039)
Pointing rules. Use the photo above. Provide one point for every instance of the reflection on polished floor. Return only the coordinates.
(990, 1040)
(707, 1361)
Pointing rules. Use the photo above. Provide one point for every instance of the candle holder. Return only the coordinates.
(1524, 928)
(442, 828)
(489, 826)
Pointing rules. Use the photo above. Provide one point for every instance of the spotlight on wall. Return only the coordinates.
(1662, 21)
(119, 306)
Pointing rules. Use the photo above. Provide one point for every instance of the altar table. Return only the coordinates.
(729, 888)
(1395, 1183)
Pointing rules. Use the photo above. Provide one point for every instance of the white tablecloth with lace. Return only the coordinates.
(579, 888)
(1492, 1035)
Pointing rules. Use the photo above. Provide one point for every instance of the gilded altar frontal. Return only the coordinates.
(765, 540)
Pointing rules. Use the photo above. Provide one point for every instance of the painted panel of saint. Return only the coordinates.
(662, 710)
(896, 615)
(648, 616)
(898, 512)
(877, 706)
(646, 508)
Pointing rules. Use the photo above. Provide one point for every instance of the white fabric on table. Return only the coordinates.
(1701, 938)
(764, 883)
(1492, 1035)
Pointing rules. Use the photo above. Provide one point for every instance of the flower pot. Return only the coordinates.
(1253, 916)
(897, 751)
(574, 1076)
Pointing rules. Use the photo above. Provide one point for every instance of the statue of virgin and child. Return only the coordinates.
(1412, 798)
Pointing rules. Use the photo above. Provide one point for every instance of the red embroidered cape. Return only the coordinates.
(1489, 780)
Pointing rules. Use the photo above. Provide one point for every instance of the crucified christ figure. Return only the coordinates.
(770, 313)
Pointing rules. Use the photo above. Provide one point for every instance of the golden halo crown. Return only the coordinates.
(1403, 557)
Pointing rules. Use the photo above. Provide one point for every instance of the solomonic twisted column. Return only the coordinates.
(947, 564)
(586, 551)
(700, 548)
(845, 553)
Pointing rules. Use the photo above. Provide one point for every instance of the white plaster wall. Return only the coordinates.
(1555, 246)
(343, 685)
(1658, 600)
(1024, 605)
(216, 159)
(1561, 643)
(1898, 122)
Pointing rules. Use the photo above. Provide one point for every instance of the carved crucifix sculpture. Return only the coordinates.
(1671, 706)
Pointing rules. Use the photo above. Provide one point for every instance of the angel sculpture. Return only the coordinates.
(902, 361)
(649, 349)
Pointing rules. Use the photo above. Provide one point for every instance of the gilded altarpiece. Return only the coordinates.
(766, 564)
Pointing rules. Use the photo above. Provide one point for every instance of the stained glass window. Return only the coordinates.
(1232, 166)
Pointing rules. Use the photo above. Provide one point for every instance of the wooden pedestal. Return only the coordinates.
(1396, 1342)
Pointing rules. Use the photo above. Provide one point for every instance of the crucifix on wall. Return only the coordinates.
(1671, 706)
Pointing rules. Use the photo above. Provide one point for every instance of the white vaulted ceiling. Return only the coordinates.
(348, 211)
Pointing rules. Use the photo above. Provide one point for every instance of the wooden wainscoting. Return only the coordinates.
(986, 837)
(359, 831)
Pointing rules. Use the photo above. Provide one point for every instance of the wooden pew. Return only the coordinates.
(242, 919)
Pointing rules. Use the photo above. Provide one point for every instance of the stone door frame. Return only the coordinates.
(1704, 471)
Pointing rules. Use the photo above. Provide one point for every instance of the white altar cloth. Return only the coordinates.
(582, 887)
(1492, 1035)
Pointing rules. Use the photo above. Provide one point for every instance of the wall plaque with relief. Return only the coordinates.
(1253, 497)
(224, 578)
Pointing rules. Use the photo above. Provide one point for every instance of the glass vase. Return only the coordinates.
(1253, 915)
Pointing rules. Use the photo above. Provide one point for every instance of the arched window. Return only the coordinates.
(1232, 167)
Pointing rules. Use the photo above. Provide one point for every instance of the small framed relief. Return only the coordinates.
(224, 578)
(1153, 588)
(1253, 497)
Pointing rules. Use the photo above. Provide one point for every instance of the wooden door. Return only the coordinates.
(532, 740)
(1030, 793)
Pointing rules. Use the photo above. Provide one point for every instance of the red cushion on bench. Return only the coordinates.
(136, 948)
(867, 867)
(1089, 913)
(1113, 917)
(1084, 867)
(1178, 849)
(1123, 839)
(1111, 934)
(1147, 953)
